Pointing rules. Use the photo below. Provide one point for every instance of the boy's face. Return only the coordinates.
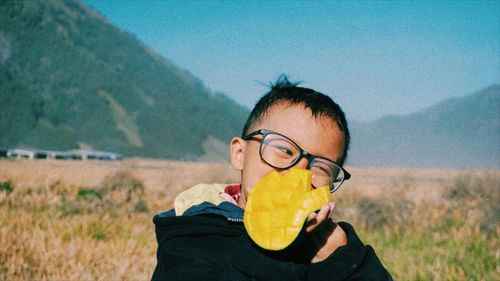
(319, 136)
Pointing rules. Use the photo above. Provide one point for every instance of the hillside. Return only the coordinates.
(456, 133)
(70, 79)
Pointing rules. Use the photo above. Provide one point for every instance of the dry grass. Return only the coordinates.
(88, 220)
(91, 220)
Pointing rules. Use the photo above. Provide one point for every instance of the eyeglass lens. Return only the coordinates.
(280, 152)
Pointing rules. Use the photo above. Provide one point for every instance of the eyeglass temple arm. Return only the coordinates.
(252, 134)
(347, 175)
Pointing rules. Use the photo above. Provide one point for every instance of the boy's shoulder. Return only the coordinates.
(197, 195)
(204, 199)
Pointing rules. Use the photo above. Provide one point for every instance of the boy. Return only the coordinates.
(203, 237)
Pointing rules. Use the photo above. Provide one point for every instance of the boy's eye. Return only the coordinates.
(279, 147)
(283, 150)
(322, 168)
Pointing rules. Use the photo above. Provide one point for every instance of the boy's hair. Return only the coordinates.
(285, 91)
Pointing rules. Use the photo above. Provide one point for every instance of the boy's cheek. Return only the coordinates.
(252, 178)
(246, 187)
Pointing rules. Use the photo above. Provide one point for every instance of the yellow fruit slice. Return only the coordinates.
(278, 206)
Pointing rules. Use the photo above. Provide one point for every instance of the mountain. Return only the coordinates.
(70, 79)
(456, 133)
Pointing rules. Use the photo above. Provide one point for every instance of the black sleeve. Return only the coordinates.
(351, 262)
(195, 248)
(179, 266)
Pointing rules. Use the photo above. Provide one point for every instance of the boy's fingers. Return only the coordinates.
(316, 219)
(311, 217)
(332, 208)
(325, 213)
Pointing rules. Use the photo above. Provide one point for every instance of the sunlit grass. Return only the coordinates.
(90, 220)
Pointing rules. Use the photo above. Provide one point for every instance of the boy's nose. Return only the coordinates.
(303, 163)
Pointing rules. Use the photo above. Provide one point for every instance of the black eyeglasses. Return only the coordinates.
(280, 152)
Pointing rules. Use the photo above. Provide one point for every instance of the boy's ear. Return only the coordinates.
(237, 147)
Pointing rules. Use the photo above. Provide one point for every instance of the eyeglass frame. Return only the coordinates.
(302, 153)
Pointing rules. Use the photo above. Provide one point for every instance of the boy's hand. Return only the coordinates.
(325, 236)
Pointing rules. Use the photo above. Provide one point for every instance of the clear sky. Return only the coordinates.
(374, 58)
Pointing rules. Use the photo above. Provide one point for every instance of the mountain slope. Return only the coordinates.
(458, 132)
(69, 78)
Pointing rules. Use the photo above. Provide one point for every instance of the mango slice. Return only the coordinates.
(278, 206)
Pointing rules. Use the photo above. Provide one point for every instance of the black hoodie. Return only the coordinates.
(205, 244)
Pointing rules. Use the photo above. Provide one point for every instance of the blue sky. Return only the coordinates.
(373, 57)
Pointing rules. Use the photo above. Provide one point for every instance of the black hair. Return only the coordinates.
(285, 91)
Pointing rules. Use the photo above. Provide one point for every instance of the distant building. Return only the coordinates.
(20, 153)
(62, 155)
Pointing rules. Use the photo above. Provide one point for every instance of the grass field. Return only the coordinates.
(91, 220)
